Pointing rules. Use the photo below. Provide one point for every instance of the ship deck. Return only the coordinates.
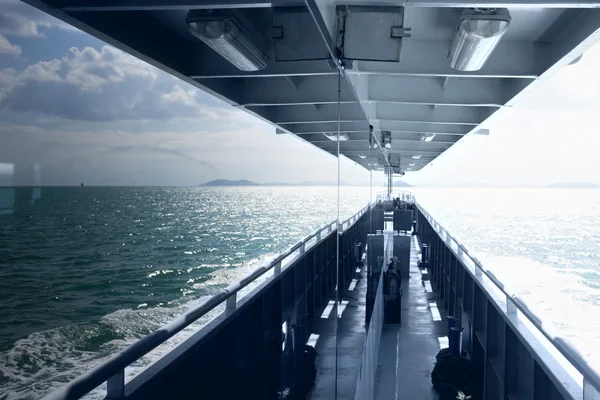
(407, 350)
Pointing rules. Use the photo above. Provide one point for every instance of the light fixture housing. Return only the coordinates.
(416, 156)
(426, 137)
(411, 165)
(386, 139)
(334, 136)
(362, 156)
(225, 35)
(477, 35)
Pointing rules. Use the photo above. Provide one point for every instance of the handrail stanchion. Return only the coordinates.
(589, 391)
(231, 303)
(115, 386)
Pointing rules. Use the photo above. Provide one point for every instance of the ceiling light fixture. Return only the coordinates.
(411, 165)
(426, 137)
(416, 157)
(224, 34)
(477, 35)
(334, 137)
(362, 156)
(386, 139)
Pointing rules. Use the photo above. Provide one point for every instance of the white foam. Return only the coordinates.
(47, 360)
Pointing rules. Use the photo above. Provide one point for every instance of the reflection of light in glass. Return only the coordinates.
(7, 194)
(37, 181)
(7, 200)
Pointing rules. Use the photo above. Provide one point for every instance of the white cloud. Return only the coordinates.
(6, 47)
(92, 85)
(20, 19)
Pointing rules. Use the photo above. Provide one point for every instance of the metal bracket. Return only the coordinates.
(277, 32)
(399, 32)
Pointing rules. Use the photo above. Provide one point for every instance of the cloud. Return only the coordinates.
(20, 19)
(6, 47)
(92, 85)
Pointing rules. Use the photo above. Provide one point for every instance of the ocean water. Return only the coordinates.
(544, 244)
(86, 272)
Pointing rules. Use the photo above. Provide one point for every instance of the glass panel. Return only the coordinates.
(354, 193)
(129, 197)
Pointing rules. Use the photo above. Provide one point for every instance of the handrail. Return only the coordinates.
(513, 301)
(403, 194)
(112, 369)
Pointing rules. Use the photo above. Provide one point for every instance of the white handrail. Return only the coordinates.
(514, 302)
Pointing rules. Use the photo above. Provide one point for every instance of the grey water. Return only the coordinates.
(85, 272)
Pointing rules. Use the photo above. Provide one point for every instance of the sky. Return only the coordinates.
(88, 112)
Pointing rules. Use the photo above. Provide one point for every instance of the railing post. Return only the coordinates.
(231, 302)
(319, 236)
(302, 248)
(589, 391)
(511, 307)
(277, 268)
(478, 270)
(115, 386)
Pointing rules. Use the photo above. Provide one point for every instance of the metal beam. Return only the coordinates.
(322, 89)
(424, 58)
(525, 4)
(303, 128)
(160, 5)
(302, 114)
(395, 143)
(441, 115)
(439, 129)
(276, 91)
(491, 92)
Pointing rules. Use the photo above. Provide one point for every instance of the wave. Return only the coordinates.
(46, 360)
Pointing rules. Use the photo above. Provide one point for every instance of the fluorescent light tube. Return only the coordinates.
(333, 136)
(416, 157)
(477, 35)
(426, 137)
(362, 156)
(224, 35)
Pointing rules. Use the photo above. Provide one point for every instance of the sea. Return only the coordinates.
(85, 272)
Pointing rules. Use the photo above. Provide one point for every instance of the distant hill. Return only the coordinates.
(402, 184)
(225, 182)
(573, 185)
(243, 182)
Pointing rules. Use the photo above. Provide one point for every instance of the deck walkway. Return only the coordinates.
(408, 350)
(351, 335)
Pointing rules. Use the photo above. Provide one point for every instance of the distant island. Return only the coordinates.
(573, 185)
(225, 182)
(401, 184)
(243, 182)
(558, 185)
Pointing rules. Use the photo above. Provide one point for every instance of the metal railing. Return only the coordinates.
(112, 371)
(591, 377)
(404, 196)
(365, 387)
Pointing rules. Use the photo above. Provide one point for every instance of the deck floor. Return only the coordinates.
(408, 349)
(351, 335)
